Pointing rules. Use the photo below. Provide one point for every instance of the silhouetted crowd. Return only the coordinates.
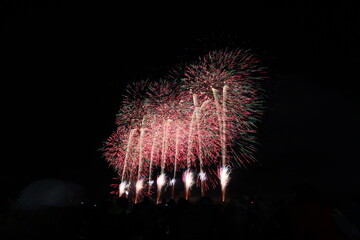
(304, 216)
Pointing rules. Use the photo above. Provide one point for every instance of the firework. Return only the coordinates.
(224, 175)
(123, 188)
(200, 119)
(175, 161)
(188, 178)
(202, 176)
(138, 188)
(161, 180)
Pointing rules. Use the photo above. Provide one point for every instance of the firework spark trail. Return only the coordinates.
(161, 180)
(188, 178)
(224, 175)
(218, 111)
(210, 140)
(164, 145)
(175, 160)
(138, 188)
(153, 148)
(142, 130)
(223, 147)
(200, 155)
(141, 139)
(123, 187)
(128, 148)
(190, 140)
(164, 153)
(197, 120)
(221, 118)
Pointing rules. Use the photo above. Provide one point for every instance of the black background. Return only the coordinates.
(65, 66)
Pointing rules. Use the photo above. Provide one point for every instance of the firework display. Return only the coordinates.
(197, 124)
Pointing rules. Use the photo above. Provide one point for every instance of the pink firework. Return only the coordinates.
(190, 122)
(228, 79)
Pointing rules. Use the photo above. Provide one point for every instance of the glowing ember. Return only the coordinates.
(224, 175)
(172, 182)
(188, 179)
(138, 188)
(161, 180)
(123, 188)
(202, 176)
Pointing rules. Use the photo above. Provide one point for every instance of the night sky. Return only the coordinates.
(65, 67)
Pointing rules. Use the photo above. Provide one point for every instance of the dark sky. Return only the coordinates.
(66, 66)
